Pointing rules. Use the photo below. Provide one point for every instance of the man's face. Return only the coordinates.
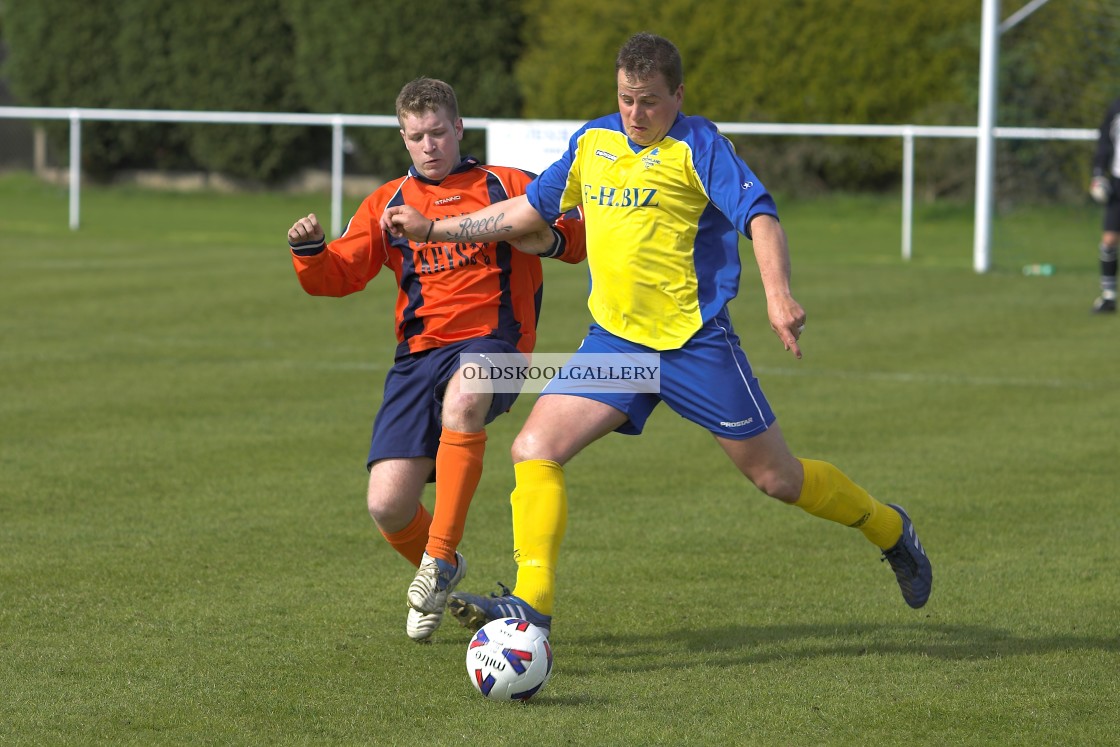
(432, 140)
(648, 107)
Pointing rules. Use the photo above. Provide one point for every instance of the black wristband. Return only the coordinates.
(558, 245)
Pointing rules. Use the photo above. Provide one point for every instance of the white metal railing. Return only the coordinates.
(337, 123)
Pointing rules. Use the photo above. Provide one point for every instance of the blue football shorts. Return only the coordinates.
(707, 381)
(410, 419)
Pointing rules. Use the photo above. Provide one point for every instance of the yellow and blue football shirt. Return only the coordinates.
(663, 224)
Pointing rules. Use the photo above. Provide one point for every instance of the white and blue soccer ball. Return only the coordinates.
(509, 659)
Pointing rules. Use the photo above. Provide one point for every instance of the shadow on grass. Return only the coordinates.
(753, 644)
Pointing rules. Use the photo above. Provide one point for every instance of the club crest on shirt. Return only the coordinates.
(650, 159)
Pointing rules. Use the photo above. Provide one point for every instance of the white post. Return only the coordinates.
(1021, 15)
(336, 177)
(907, 192)
(75, 168)
(985, 135)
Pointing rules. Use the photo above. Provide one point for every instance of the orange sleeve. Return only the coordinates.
(348, 263)
(573, 240)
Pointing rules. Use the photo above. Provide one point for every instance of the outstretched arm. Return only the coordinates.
(771, 252)
(564, 240)
(539, 242)
(501, 221)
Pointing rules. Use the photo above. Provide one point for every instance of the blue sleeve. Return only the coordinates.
(547, 190)
(731, 185)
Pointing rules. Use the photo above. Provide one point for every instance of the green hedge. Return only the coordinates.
(353, 58)
(255, 55)
(858, 61)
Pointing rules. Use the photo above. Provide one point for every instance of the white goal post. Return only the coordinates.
(528, 144)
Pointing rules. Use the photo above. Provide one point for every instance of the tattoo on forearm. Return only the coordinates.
(472, 230)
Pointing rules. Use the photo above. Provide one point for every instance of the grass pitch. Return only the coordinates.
(186, 556)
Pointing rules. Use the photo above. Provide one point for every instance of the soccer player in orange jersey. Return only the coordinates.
(456, 304)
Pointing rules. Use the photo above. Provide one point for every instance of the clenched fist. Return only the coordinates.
(306, 231)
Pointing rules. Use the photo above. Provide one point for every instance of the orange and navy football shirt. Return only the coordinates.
(448, 292)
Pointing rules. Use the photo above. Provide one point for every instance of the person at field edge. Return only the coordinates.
(457, 303)
(1105, 189)
(664, 198)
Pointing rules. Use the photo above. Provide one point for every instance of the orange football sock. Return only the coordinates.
(458, 470)
(830, 494)
(540, 518)
(410, 541)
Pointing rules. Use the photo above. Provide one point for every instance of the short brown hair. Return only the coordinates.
(645, 55)
(426, 95)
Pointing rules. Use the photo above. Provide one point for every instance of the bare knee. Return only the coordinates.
(528, 445)
(465, 412)
(388, 511)
(559, 427)
(379, 509)
(394, 492)
(780, 482)
(766, 461)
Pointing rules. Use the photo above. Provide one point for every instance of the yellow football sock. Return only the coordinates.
(830, 494)
(540, 517)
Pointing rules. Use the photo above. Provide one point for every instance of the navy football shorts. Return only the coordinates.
(410, 419)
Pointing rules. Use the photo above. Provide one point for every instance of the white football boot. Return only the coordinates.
(427, 594)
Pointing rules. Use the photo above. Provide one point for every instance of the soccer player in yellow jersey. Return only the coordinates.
(665, 198)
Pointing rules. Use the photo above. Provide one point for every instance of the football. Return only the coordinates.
(509, 659)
